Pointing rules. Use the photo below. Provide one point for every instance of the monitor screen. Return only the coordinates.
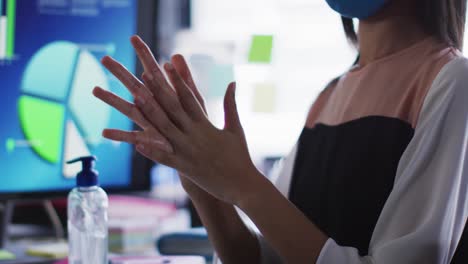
(50, 54)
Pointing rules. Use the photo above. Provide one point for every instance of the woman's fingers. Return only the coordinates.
(120, 135)
(154, 113)
(168, 102)
(144, 54)
(151, 66)
(158, 85)
(186, 96)
(172, 109)
(181, 66)
(152, 70)
(158, 120)
(148, 139)
(154, 140)
(126, 108)
(155, 151)
(126, 77)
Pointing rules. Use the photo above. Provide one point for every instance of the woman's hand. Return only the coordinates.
(182, 68)
(176, 131)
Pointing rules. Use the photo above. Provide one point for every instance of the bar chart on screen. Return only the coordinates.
(7, 29)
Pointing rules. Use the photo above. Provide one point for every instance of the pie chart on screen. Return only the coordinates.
(58, 114)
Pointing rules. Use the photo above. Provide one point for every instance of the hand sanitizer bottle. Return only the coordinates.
(87, 217)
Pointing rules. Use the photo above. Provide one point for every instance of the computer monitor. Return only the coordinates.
(50, 54)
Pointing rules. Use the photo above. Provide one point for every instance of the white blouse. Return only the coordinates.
(424, 216)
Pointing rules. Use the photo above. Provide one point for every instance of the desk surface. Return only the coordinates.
(19, 249)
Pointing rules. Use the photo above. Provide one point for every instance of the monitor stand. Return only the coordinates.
(7, 213)
(6, 227)
(18, 249)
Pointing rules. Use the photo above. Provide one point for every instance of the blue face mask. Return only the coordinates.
(360, 9)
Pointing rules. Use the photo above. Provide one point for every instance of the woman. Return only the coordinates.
(379, 174)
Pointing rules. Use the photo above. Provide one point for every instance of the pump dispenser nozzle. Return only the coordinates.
(87, 176)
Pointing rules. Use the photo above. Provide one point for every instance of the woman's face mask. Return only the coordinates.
(360, 9)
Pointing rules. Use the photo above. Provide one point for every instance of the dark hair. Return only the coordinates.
(444, 19)
(350, 32)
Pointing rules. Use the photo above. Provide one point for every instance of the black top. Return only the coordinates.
(343, 175)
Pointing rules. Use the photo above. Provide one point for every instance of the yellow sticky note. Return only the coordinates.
(264, 98)
(49, 250)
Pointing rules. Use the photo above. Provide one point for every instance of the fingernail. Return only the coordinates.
(138, 42)
(96, 90)
(164, 146)
(169, 67)
(140, 147)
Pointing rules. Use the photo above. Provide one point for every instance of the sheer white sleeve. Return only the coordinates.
(424, 216)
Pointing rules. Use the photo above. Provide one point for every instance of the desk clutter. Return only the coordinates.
(135, 226)
(189, 242)
(134, 223)
(53, 250)
(152, 260)
(6, 255)
(159, 260)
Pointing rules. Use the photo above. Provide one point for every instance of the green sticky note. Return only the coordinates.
(5, 255)
(261, 49)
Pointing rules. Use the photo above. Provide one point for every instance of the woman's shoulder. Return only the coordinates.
(439, 63)
(320, 102)
(450, 83)
(456, 69)
(406, 88)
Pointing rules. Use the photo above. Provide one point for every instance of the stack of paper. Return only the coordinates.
(133, 223)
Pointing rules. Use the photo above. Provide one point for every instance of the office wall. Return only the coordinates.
(309, 49)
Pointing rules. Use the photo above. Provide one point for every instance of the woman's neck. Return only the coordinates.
(387, 33)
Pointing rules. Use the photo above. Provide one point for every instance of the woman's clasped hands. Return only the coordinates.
(175, 130)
